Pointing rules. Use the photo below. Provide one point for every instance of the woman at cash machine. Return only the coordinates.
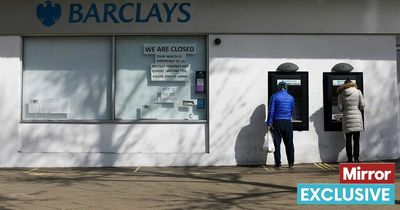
(350, 103)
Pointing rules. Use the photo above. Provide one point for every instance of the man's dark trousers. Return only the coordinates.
(283, 129)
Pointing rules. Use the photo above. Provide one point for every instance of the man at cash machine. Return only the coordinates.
(279, 122)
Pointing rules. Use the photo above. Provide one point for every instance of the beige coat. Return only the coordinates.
(350, 103)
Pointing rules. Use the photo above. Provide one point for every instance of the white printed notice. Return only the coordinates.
(49, 106)
(171, 58)
(167, 95)
(170, 61)
(170, 72)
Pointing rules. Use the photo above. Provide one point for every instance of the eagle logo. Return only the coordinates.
(48, 14)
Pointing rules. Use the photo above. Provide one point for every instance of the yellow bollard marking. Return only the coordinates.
(329, 166)
(137, 169)
(38, 174)
(324, 166)
(33, 169)
(195, 173)
(35, 172)
(319, 166)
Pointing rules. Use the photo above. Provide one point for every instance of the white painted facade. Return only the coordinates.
(237, 95)
(238, 89)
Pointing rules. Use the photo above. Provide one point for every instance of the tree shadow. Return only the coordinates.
(330, 144)
(249, 142)
(246, 191)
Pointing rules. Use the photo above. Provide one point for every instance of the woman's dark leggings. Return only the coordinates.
(356, 138)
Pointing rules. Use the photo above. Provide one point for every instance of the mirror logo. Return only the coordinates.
(360, 184)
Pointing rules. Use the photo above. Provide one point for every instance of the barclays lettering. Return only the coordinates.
(129, 12)
(49, 13)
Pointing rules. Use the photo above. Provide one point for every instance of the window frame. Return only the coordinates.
(113, 120)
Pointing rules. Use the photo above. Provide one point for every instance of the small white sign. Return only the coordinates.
(167, 95)
(200, 82)
(289, 81)
(49, 106)
(34, 106)
(146, 112)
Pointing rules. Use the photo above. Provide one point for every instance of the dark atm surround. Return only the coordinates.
(302, 94)
(330, 96)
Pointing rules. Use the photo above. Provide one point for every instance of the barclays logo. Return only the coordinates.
(47, 13)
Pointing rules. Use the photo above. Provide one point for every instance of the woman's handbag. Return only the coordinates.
(268, 145)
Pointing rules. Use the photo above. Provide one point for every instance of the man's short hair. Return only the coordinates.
(282, 85)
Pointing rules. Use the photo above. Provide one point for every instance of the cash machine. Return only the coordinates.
(331, 81)
(297, 87)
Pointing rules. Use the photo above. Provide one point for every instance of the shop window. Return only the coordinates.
(67, 78)
(398, 64)
(160, 78)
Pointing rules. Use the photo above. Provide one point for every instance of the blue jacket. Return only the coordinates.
(281, 107)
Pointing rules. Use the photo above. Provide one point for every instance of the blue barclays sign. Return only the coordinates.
(48, 13)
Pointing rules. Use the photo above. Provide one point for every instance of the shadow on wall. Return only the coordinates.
(249, 142)
(330, 143)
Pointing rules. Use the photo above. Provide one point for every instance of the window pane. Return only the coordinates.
(67, 78)
(160, 78)
(398, 65)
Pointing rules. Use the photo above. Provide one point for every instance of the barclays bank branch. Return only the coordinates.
(173, 83)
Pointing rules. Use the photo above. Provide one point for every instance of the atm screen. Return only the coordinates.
(336, 114)
(296, 92)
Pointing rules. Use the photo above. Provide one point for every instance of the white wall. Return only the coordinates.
(238, 92)
(113, 138)
(10, 65)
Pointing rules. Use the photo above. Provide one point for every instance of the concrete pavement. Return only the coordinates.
(259, 187)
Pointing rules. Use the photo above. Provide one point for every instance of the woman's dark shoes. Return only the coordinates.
(277, 166)
(349, 161)
(356, 160)
(291, 165)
